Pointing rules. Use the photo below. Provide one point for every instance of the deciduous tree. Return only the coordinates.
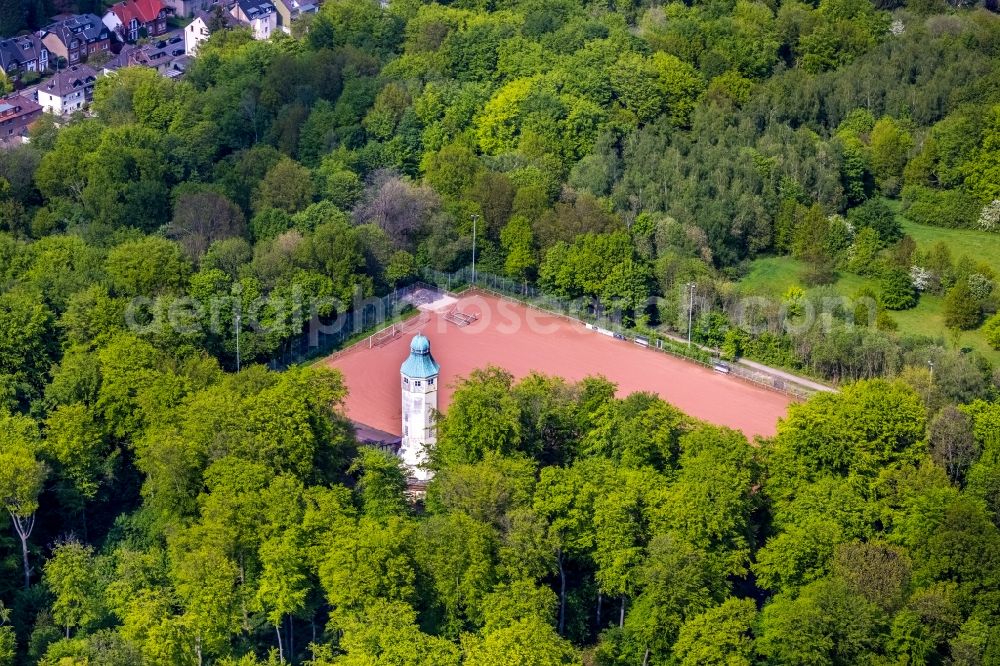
(21, 477)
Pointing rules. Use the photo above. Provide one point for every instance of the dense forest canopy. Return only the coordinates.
(167, 510)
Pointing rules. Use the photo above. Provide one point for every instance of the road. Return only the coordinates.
(760, 367)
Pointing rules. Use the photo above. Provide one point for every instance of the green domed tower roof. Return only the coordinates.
(420, 364)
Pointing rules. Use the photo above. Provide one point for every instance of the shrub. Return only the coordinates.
(897, 290)
(962, 310)
(989, 217)
(991, 329)
(875, 214)
(940, 208)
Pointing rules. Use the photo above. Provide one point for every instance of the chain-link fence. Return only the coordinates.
(322, 338)
(587, 310)
(369, 315)
(607, 320)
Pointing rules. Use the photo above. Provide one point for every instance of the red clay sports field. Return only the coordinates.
(522, 340)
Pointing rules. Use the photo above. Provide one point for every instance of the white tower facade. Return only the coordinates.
(419, 384)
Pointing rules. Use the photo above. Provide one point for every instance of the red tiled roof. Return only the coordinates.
(143, 11)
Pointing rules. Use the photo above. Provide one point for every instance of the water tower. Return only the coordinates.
(419, 384)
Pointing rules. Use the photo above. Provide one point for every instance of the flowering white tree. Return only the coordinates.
(920, 277)
(989, 217)
(980, 285)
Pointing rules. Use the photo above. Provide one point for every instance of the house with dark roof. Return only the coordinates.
(132, 19)
(204, 24)
(68, 90)
(22, 54)
(16, 115)
(376, 438)
(290, 11)
(261, 15)
(125, 58)
(188, 7)
(169, 60)
(76, 37)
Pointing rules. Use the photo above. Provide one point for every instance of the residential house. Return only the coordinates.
(68, 90)
(290, 11)
(22, 54)
(260, 14)
(125, 58)
(16, 115)
(132, 19)
(168, 60)
(205, 23)
(75, 38)
(189, 7)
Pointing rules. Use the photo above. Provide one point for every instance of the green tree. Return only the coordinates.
(387, 634)
(824, 624)
(811, 244)
(72, 578)
(456, 553)
(877, 215)
(147, 267)
(518, 242)
(490, 491)
(863, 255)
(284, 584)
(366, 566)
(563, 501)
(483, 417)
(530, 641)
(381, 483)
(124, 172)
(337, 183)
(890, 145)
(452, 170)
(708, 503)
(897, 291)
(76, 444)
(520, 600)
(720, 636)
(92, 316)
(677, 581)
(991, 331)
(206, 582)
(8, 639)
(401, 268)
(962, 310)
(287, 186)
(627, 287)
(620, 533)
(868, 426)
(640, 430)
(26, 347)
(22, 475)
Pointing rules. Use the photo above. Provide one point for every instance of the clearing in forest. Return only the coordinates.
(522, 340)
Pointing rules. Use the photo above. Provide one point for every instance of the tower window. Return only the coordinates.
(430, 382)
(416, 383)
